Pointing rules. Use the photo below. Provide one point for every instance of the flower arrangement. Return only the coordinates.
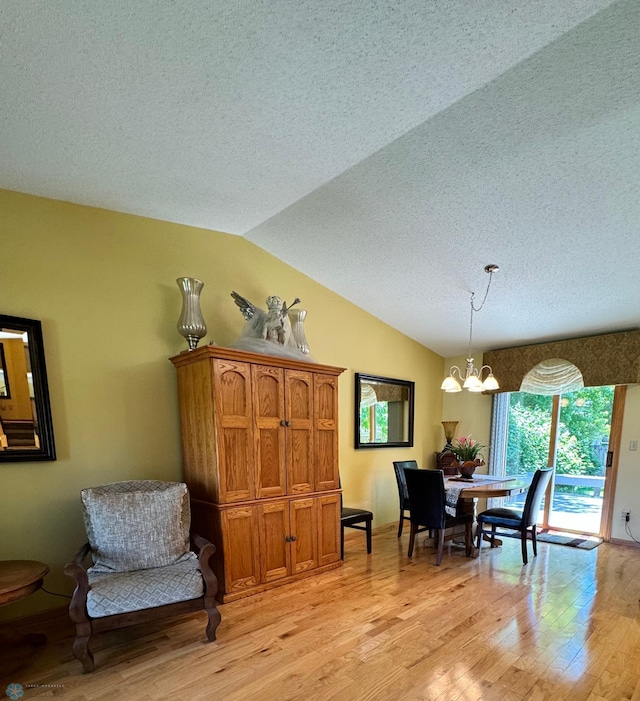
(467, 448)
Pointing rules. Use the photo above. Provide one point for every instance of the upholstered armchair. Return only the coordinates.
(143, 566)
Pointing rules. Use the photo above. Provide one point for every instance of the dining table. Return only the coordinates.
(482, 487)
(462, 494)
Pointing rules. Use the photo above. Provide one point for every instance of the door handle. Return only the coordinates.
(287, 423)
(609, 458)
(283, 423)
(293, 539)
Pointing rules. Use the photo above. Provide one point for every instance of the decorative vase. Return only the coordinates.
(191, 324)
(297, 317)
(466, 468)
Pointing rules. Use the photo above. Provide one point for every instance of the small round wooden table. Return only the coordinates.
(19, 578)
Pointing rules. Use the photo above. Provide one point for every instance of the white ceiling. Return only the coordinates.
(389, 150)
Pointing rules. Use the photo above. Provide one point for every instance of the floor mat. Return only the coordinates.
(583, 542)
(571, 539)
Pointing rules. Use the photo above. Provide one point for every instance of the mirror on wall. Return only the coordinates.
(384, 410)
(26, 429)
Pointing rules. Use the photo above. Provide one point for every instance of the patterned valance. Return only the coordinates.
(372, 393)
(609, 359)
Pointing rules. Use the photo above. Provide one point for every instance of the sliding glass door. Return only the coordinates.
(571, 431)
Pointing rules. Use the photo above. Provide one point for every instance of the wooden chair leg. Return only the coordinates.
(440, 546)
(213, 623)
(400, 524)
(81, 647)
(523, 541)
(493, 535)
(412, 537)
(341, 542)
(368, 524)
(480, 534)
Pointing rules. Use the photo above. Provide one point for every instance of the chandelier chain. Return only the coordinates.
(474, 309)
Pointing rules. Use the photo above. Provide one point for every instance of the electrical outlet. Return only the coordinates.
(625, 514)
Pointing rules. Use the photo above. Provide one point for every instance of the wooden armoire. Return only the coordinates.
(260, 456)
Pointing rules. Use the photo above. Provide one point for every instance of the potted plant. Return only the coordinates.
(467, 450)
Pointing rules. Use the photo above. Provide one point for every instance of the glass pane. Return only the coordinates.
(583, 442)
(529, 429)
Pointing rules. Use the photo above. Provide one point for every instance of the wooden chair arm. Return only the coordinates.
(76, 570)
(205, 551)
(198, 542)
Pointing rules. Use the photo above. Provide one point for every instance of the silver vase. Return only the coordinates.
(297, 317)
(191, 324)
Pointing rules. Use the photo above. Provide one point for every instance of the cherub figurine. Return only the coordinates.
(272, 325)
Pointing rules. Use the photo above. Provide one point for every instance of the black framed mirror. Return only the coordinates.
(26, 428)
(384, 410)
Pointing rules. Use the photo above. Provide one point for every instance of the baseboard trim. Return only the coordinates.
(623, 541)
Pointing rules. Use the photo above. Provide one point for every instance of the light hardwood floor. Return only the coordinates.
(383, 627)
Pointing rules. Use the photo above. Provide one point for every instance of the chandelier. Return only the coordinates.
(472, 379)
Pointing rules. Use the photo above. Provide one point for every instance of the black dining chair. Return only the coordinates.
(399, 468)
(358, 519)
(427, 511)
(513, 520)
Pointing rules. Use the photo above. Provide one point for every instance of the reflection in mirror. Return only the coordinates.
(4, 379)
(384, 410)
(26, 431)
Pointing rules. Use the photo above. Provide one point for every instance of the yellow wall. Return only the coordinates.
(103, 285)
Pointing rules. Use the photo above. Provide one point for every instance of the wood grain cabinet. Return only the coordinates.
(260, 455)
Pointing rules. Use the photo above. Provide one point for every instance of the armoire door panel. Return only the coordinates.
(326, 459)
(299, 431)
(326, 432)
(299, 394)
(233, 387)
(268, 392)
(304, 527)
(275, 556)
(268, 403)
(237, 479)
(271, 475)
(234, 429)
(300, 463)
(328, 529)
(241, 548)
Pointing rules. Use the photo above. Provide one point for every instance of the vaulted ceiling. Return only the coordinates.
(387, 149)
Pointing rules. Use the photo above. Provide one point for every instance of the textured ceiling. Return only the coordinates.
(389, 150)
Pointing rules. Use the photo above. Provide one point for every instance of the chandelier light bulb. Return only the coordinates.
(490, 383)
(450, 384)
